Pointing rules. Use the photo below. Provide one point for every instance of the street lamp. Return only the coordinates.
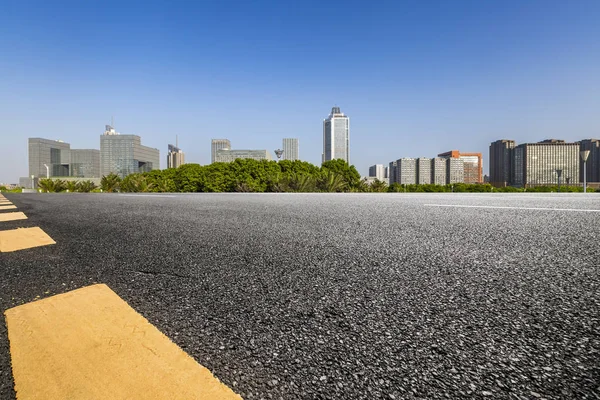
(47, 171)
(584, 156)
(33, 181)
(559, 173)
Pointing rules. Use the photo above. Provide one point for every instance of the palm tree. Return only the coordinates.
(72, 186)
(86, 186)
(379, 186)
(333, 182)
(110, 183)
(47, 185)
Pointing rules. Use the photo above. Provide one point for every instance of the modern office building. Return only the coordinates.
(175, 157)
(61, 160)
(472, 163)
(502, 162)
(438, 171)
(377, 171)
(536, 164)
(423, 171)
(290, 149)
(124, 154)
(455, 170)
(216, 145)
(336, 136)
(85, 163)
(406, 171)
(392, 172)
(226, 155)
(592, 165)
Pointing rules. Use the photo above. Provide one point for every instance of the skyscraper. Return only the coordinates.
(124, 154)
(175, 157)
(336, 136)
(501, 162)
(455, 170)
(218, 144)
(290, 149)
(406, 171)
(423, 170)
(377, 171)
(438, 171)
(472, 164)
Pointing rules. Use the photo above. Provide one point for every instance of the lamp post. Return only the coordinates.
(33, 181)
(559, 173)
(47, 171)
(584, 156)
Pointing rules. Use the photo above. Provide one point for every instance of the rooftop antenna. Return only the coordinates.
(112, 121)
(176, 141)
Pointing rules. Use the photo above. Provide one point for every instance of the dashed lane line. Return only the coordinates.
(90, 344)
(512, 208)
(12, 216)
(23, 238)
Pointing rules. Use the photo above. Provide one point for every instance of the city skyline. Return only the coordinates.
(417, 79)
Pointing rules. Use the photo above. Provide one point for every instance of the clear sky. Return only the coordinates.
(416, 77)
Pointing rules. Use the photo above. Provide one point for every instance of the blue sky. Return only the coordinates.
(416, 77)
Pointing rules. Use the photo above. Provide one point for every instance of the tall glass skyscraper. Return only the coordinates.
(336, 136)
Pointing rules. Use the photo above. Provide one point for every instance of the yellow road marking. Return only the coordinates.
(90, 344)
(7, 207)
(23, 238)
(12, 216)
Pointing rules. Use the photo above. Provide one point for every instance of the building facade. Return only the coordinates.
(406, 170)
(438, 171)
(392, 172)
(592, 165)
(502, 162)
(336, 136)
(455, 170)
(175, 157)
(85, 163)
(472, 164)
(226, 155)
(125, 154)
(536, 164)
(378, 171)
(62, 161)
(216, 145)
(423, 171)
(290, 149)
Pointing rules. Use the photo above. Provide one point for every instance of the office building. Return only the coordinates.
(502, 162)
(472, 164)
(455, 170)
(175, 157)
(392, 172)
(536, 163)
(226, 155)
(438, 171)
(406, 171)
(61, 160)
(85, 163)
(216, 145)
(290, 149)
(423, 171)
(125, 154)
(377, 171)
(336, 136)
(592, 165)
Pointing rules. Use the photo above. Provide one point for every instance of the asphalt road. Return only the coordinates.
(364, 296)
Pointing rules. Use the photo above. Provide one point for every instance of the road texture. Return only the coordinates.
(347, 296)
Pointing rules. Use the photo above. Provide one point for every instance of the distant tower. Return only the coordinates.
(175, 156)
(278, 153)
(336, 136)
(290, 149)
(218, 144)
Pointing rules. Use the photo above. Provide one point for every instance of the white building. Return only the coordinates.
(226, 155)
(438, 171)
(290, 149)
(218, 144)
(336, 136)
(378, 171)
(423, 171)
(175, 157)
(406, 171)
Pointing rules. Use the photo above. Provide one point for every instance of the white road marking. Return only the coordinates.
(512, 208)
(146, 195)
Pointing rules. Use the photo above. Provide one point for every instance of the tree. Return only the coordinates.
(71, 186)
(378, 186)
(332, 182)
(110, 183)
(47, 185)
(86, 186)
(349, 174)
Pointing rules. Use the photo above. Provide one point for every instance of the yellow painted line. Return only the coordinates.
(90, 344)
(23, 238)
(7, 207)
(12, 216)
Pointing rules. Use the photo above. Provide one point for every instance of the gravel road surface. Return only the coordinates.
(339, 296)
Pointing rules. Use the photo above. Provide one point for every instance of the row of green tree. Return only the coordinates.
(247, 175)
